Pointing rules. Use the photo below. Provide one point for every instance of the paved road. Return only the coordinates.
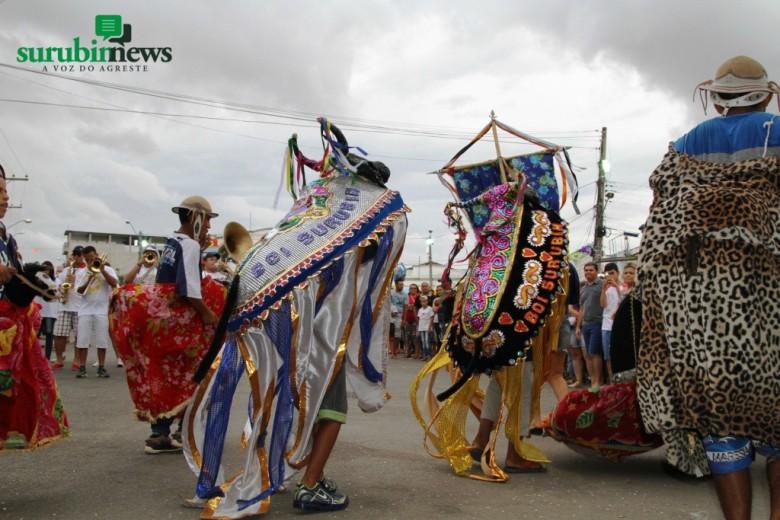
(103, 472)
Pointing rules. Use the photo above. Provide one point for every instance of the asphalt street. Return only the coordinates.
(379, 461)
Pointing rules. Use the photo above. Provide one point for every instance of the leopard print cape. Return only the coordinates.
(710, 276)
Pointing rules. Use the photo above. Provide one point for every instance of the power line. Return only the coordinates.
(357, 124)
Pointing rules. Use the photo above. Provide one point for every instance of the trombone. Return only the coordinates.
(95, 267)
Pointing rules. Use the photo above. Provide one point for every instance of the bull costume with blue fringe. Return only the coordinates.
(309, 298)
(511, 301)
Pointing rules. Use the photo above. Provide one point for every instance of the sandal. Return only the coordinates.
(528, 466)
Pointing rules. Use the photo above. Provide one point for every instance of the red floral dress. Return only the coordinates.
(161, 339)
(605, 421)
(31, 412)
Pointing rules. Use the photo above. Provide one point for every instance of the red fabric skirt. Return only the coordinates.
(31, 412)
(605, 422)
(161, 339)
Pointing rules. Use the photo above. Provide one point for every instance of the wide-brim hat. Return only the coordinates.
(740, 74)
(195, 203)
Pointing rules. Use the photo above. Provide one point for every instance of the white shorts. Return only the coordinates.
(93, 331)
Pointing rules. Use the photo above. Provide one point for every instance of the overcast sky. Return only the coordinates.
(557, 69)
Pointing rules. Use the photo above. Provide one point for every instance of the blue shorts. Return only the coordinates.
(735, 453)
(592, 335)
(606, 335)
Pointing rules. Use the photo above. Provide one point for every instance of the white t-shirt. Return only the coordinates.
(48, 309)
(73, 299)
(613, 299)
(95, 300)
(146, 275)
(424, 319)
(218, 276)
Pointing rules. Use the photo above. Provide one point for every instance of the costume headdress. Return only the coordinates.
(199, 208)
(739, 75)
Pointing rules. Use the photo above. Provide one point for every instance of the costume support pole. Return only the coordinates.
(498, 149)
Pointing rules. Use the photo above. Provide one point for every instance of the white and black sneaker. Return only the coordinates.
(322, 497)
(176, 440)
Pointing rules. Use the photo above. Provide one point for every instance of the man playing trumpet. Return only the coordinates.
(145, 271)
(94, 284)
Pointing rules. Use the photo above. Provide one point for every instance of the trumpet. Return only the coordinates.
(95, 267)
(150, 257)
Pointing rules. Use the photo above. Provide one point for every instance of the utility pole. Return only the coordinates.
(601, 230)
(430, 257)
(15, 178)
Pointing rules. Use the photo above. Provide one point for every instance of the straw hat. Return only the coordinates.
(739, 75)
(195, 203)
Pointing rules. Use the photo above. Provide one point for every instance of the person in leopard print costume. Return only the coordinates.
(710, 276)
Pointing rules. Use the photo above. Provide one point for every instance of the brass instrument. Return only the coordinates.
(237, 239)
(237, 243)
(66, 286)
(150, 257)
(95, 267)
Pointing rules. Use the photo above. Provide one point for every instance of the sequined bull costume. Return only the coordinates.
(309, 298)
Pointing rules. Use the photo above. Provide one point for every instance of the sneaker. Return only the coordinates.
(82, 372)
(102, 372)
(95, 364)
(160, 444)
(58, 365)
(119, 363)
(176, 439)
(319, 498)
(74, 366)
(328, 484)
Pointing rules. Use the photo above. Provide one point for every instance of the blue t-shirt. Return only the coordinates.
(180, 264)
(733, 138)
(8, 256)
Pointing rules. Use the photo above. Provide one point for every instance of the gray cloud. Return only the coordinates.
(557, 67)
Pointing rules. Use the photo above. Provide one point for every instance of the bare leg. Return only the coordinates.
(576, 361)
(483, 433)
(324, 440)
(555, 379)
(734, 494)
(773, 477)
(597, 362)
(60, 342)
(588, 364)
(81, 356)
(101, 357)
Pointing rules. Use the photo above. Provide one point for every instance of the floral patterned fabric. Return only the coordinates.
(605, 422)
(539, 169)
(31, 412)
(161, 339)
